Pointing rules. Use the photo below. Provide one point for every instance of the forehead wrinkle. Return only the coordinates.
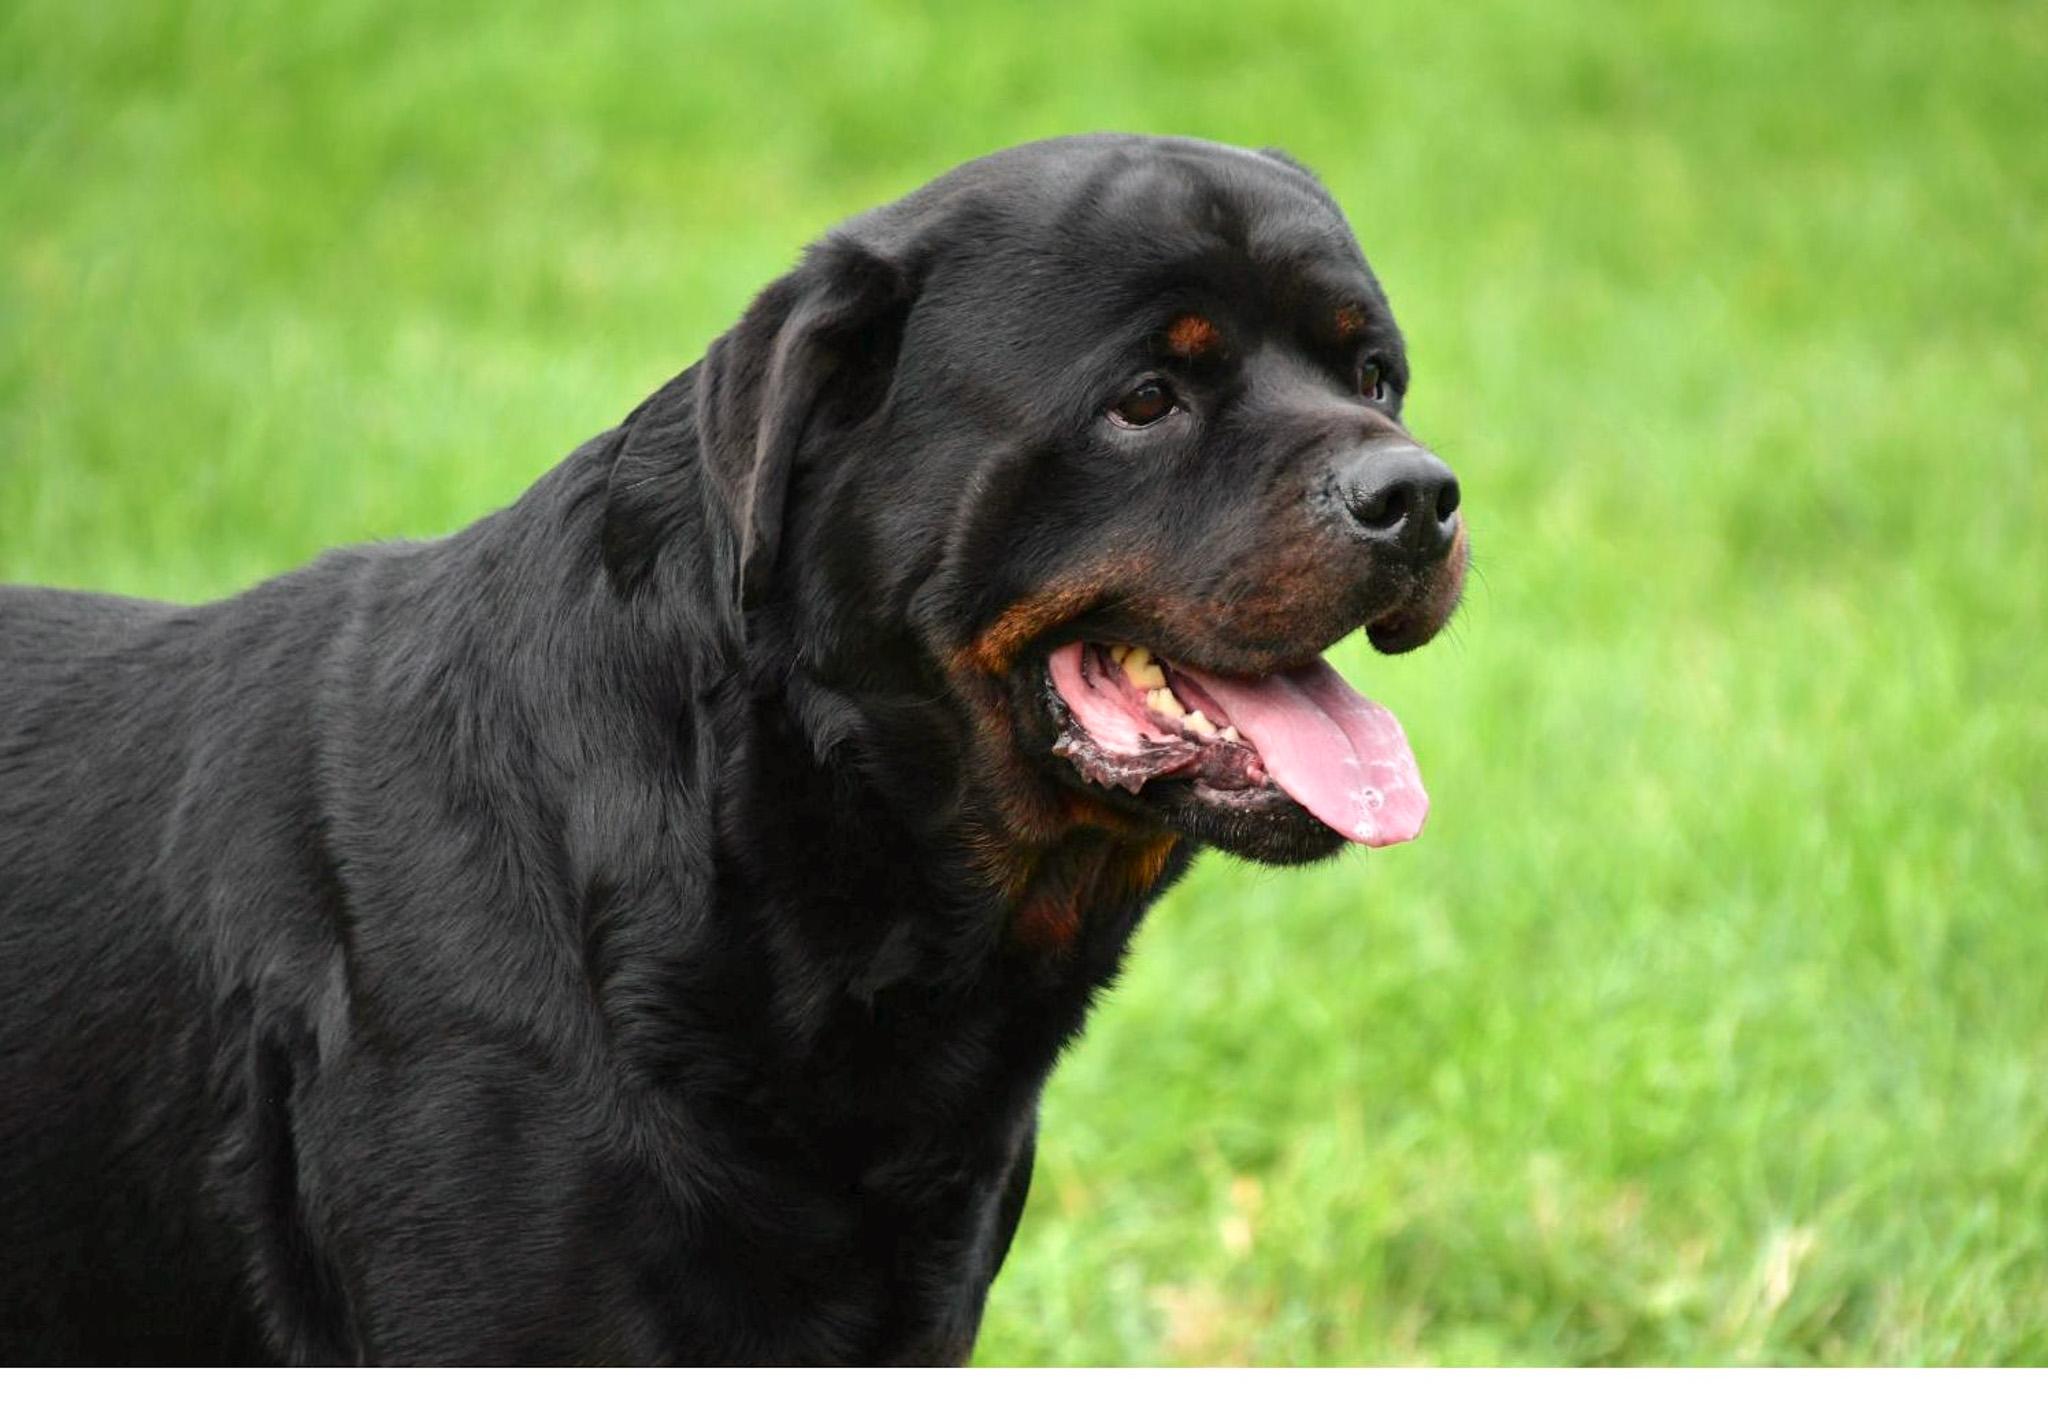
(1154, 205)
(1160, 235)
(1269, 259)
(1151, 195)
(1304, 238)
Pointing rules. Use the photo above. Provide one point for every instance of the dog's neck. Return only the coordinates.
(883, 899)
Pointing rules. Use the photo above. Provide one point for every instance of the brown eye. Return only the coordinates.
(1148, 403)
(1371, 385)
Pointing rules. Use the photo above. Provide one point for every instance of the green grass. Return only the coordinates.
(1709, 1021)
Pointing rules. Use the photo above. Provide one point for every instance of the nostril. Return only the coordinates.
(1402, 496)
(1383, 510)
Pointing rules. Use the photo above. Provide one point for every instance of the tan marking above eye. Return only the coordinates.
(1350, 319)
(1191, 335)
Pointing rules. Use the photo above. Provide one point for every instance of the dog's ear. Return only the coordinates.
(813, 352)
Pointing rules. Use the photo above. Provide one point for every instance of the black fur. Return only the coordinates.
(596, 936)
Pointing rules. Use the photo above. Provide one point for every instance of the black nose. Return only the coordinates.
(1404, 498)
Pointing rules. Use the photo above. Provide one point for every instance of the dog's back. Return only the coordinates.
(126, 745)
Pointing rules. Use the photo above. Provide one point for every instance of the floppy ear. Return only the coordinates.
(814, 351)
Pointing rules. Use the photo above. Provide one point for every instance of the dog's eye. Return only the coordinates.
(1371, 385)
(1149, 402)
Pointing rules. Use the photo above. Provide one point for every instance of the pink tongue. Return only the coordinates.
(1334, 751)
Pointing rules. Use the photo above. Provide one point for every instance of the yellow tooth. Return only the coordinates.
(1164, 701)
(1144, 674)
(1199, 722)
(1229, 734)
(1117, 653)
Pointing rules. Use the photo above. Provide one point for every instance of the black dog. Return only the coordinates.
(637, 928)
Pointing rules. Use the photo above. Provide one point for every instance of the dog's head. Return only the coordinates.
(1063, 471)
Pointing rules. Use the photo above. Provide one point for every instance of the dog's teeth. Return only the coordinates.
(1229, 734)
(1166, 703)
(1117, 653)
(1142, 672)
(1199, 723)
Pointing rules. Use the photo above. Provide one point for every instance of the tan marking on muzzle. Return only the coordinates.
(996, 649)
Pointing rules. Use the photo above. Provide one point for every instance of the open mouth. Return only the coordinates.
(1132, 717)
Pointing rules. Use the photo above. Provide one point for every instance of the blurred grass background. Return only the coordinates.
(1709, 1021)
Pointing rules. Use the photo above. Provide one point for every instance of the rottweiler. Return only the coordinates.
(638, 927)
